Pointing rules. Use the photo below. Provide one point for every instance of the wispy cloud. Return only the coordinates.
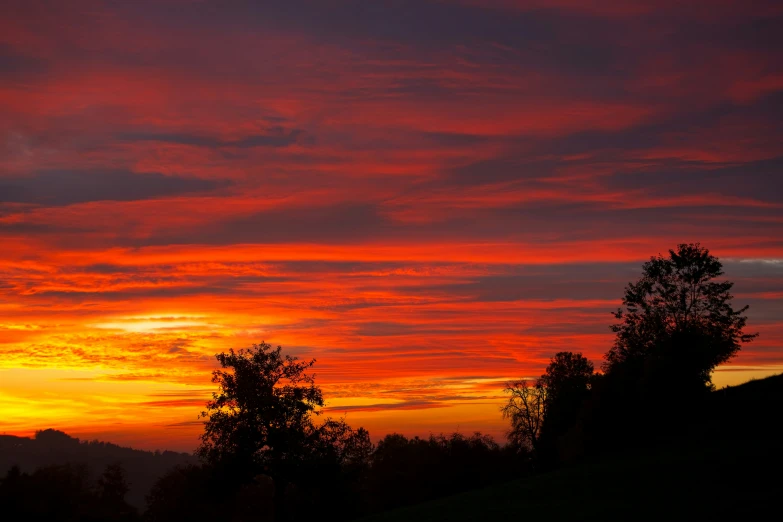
(427, 208)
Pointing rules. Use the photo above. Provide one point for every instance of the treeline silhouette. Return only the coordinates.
(675, 326)
(395, 472)
(266, 455)
(398, 471)
(53, 448)
(66, 492)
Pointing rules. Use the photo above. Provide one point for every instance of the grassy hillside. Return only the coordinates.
(731, 471)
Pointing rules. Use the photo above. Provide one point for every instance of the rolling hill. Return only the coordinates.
(53, 447)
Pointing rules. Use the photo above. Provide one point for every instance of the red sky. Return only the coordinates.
(429, 197)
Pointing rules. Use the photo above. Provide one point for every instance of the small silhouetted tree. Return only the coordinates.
(526, 409)
(677, 322)
(113, 485)
(357, 450)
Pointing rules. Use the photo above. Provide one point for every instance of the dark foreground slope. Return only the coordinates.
(727, 465)
(52, 447)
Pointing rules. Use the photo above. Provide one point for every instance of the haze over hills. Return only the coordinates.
(53, 447)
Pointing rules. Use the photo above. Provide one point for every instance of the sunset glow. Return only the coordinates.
(429, 197)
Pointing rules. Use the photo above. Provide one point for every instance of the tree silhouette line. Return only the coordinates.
(265, 454)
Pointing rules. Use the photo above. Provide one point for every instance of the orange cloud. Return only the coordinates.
(427, 209)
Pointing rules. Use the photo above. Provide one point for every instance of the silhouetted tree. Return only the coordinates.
(260, 417)
(526, 409)
(261, 422)
(357, 451)
(112, 485)
(111, 488)
(677, 320)
(567, 374)
(333, 464)
(568, 378)
(677, 323)
(335, 443)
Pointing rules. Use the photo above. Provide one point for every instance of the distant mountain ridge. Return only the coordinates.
(53, 447)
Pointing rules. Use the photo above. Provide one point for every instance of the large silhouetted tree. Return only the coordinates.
(261, 422)
(676, 324)
(260, 417)
(526, 409)
(677, 321)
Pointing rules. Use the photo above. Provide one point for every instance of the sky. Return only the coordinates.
(430, 197)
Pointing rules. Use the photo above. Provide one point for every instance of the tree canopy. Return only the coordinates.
(260, 417)
(526, 409)
(542, 410)
(568, 379)
(260, 425)
(567, 374)
(678, 316)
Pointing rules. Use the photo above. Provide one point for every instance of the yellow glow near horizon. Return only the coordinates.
(141, 324)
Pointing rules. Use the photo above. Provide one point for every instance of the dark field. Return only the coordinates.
(730, 474)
